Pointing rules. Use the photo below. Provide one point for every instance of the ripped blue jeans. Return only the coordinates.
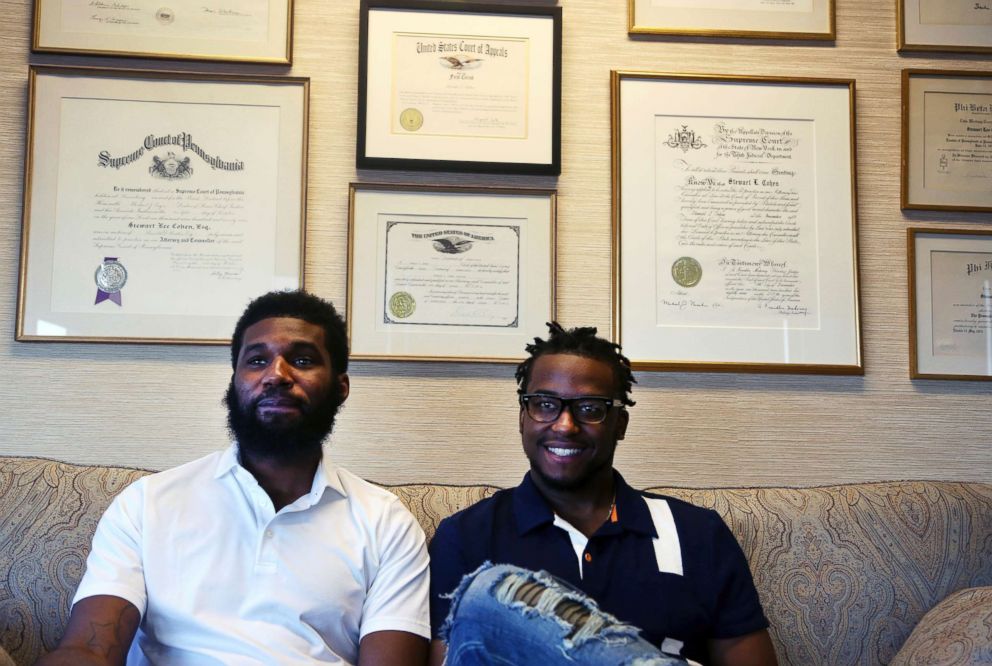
(502, 614)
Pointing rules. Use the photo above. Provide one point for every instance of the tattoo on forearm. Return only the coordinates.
(107, 638)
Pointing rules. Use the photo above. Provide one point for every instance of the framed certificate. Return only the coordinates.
(449, 273)
(735, 240)
(459, 86)
(944, 25)
(950, 304)
(766, 19)
(946, 140)
(157, 204)
(239, 30)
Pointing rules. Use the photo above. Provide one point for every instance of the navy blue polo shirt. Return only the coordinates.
(671, 569)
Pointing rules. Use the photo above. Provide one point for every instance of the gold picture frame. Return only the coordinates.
(946, 124)
(157, 204)
(950, 303)
(737, 250)
(446, 273)
(795, 19)
(259, 31)
(962, 26)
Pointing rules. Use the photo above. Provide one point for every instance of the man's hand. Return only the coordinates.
(748, 650)
(392, 648)
(99, 633)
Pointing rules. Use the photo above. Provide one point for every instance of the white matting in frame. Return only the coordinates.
(944, 25)
(781, 19)
(237, 30)
(156, 205)
(734, 223)
(950, 286)
(449, 273)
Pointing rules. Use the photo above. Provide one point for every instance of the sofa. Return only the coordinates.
(876, 573)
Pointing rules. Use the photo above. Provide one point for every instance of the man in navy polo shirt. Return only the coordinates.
(670, 569)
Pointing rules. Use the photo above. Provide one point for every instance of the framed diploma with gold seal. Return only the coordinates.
(945, 25)
(764, 19)
(946, 140)
(157, 204)
(459, 86)
(449, 273)
(237, 30)
(734, 233)
(950, 303)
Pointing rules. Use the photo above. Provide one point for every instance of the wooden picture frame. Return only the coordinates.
(157, 204)
(449, 273)
(962, 26)
(788, 19)
(946, 125)
(735, 233)
(950, 303)
(259, 31)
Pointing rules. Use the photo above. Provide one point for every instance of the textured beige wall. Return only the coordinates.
(156, 406)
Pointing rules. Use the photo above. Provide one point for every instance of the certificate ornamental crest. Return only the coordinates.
(685, 139)
(171, 168)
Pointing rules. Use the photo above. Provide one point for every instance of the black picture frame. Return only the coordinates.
(541, 148)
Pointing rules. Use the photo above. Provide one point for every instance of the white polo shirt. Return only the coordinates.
(221, 578)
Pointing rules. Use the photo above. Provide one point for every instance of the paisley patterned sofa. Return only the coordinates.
(880, 573)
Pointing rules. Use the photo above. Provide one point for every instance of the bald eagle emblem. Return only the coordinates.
(451, 244)
(460, 62)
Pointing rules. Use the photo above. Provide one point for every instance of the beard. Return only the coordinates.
(582, 477)
(575, 483)
(281, 442)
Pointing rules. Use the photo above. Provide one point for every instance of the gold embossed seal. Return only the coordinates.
(411, 119)
(687, 272)
(402, 304)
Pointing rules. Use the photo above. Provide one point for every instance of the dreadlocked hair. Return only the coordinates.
(579, 341)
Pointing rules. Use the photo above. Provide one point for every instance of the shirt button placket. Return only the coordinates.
(267, 548)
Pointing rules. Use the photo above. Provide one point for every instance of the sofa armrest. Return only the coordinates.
(958, 630)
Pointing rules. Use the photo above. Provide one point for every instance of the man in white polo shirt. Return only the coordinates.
(265, 553)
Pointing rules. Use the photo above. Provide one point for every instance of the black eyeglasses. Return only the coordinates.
(589, 409)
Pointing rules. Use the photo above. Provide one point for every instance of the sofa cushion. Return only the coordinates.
(955, 633)
(844, 572)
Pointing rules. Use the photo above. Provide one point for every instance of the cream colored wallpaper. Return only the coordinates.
(157, 406)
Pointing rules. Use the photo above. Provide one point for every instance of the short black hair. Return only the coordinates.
(580, 341)
(298, 305)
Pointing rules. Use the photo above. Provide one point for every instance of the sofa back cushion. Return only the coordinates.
(48, 513)
(844, 572)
